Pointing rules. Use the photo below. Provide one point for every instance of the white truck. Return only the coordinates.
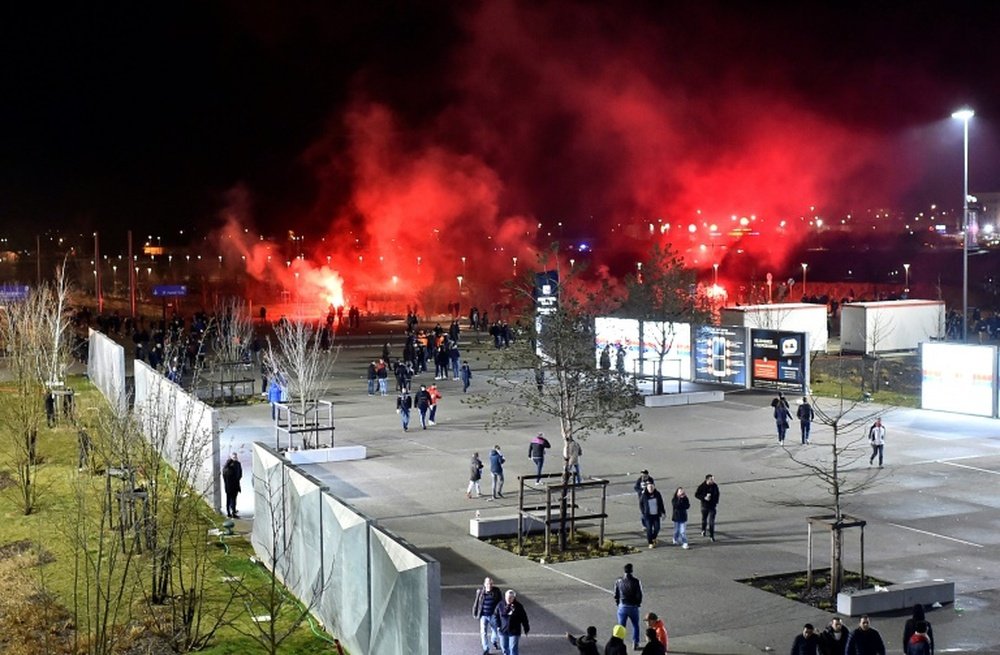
(890, 325)
(790, 317)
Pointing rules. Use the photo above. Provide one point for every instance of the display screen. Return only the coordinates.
(720, 355)
(958, 378)
(779, 360)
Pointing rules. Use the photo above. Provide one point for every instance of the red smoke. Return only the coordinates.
(577, 124)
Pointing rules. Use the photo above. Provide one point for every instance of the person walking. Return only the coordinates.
(806, 643)
(496, 471)
(652, 508)
(403, 406)
(423, 403)
(512, 620)
(628, 598)
(483, 608)
(572, 451)
(805, 415)
(536, 453)
(586, 644)
(781, 416)
(372, 378)
(232, 473)
(708, 493)
(876, 437)
(681, 504)
(616, 644)
(640, 485)
(865, 640)
(834, 639)
(910, 628)
(435, 396)
(475, 474)
(466, 374)
(382, 375)
(655, 623)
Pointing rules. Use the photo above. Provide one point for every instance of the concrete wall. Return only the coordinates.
(370, 588)
(106, 370)
(182, 428)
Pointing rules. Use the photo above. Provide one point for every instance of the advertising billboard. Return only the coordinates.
(720, 355)
(673, 340)
(779, 360)
(958, 378)
(615, 332)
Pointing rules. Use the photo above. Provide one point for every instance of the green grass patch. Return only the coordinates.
(38, 555)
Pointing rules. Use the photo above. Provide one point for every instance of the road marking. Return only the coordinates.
(935, 534)
(973, 468)
(580, 580)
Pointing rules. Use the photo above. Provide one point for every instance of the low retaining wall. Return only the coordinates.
(896, 597)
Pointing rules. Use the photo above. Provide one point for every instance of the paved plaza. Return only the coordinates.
(934, 512)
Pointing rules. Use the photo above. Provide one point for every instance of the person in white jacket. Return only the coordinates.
(876, 437)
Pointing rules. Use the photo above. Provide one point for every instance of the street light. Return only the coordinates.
(906, 287)
(804, 267)
(965, 115)
(459, 284)
(715, 266)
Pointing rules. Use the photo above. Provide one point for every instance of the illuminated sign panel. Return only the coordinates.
(616, 332)
(958, 378)
(720, 355)
(779, 360)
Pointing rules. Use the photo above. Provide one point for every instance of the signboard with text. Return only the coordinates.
(779, 360)
(13, 292)
(720, 355)
(169, 290)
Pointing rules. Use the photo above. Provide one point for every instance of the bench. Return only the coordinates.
(685, 398)
(896, 597)
(502, 526)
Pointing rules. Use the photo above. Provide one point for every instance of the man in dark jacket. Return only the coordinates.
(806, 643)
(232, 473)
(865, 640)
(628, 598)
(805, 415)
(423, 402)
(536, 453)
(404, 403)
(496, 471)
(483, 608)
(512, 620)
(834, 639)
(587, 644)
(708, 493)
(652, 508)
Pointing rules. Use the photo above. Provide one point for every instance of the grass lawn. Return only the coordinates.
(38, 557)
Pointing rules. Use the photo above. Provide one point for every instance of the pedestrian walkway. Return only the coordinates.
(932, 514)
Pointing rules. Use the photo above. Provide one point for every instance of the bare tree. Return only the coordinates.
(300, 361)
(551, 372)
(274, 613)
(32, 332)
(882, 326)
(662, 293)
(833, 472)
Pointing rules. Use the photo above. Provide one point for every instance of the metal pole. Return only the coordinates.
(131, 275)
(965, 236)
(97, 272)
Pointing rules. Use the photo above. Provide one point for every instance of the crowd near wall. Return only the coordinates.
(373, 590)
(106, 370)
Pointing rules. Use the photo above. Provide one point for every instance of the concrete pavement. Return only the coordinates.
(933, 512)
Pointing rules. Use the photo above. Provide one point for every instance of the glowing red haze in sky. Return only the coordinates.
(600, 124)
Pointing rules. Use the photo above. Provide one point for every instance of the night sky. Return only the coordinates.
(485, 117)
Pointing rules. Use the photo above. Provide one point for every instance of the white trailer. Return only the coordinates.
(789, 317)
(890, 325)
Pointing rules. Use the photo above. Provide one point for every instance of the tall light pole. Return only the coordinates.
(715, 281)
(906, 287)
(965, 115)
(804, 267)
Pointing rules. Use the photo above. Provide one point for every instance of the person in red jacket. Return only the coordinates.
(656, 623)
